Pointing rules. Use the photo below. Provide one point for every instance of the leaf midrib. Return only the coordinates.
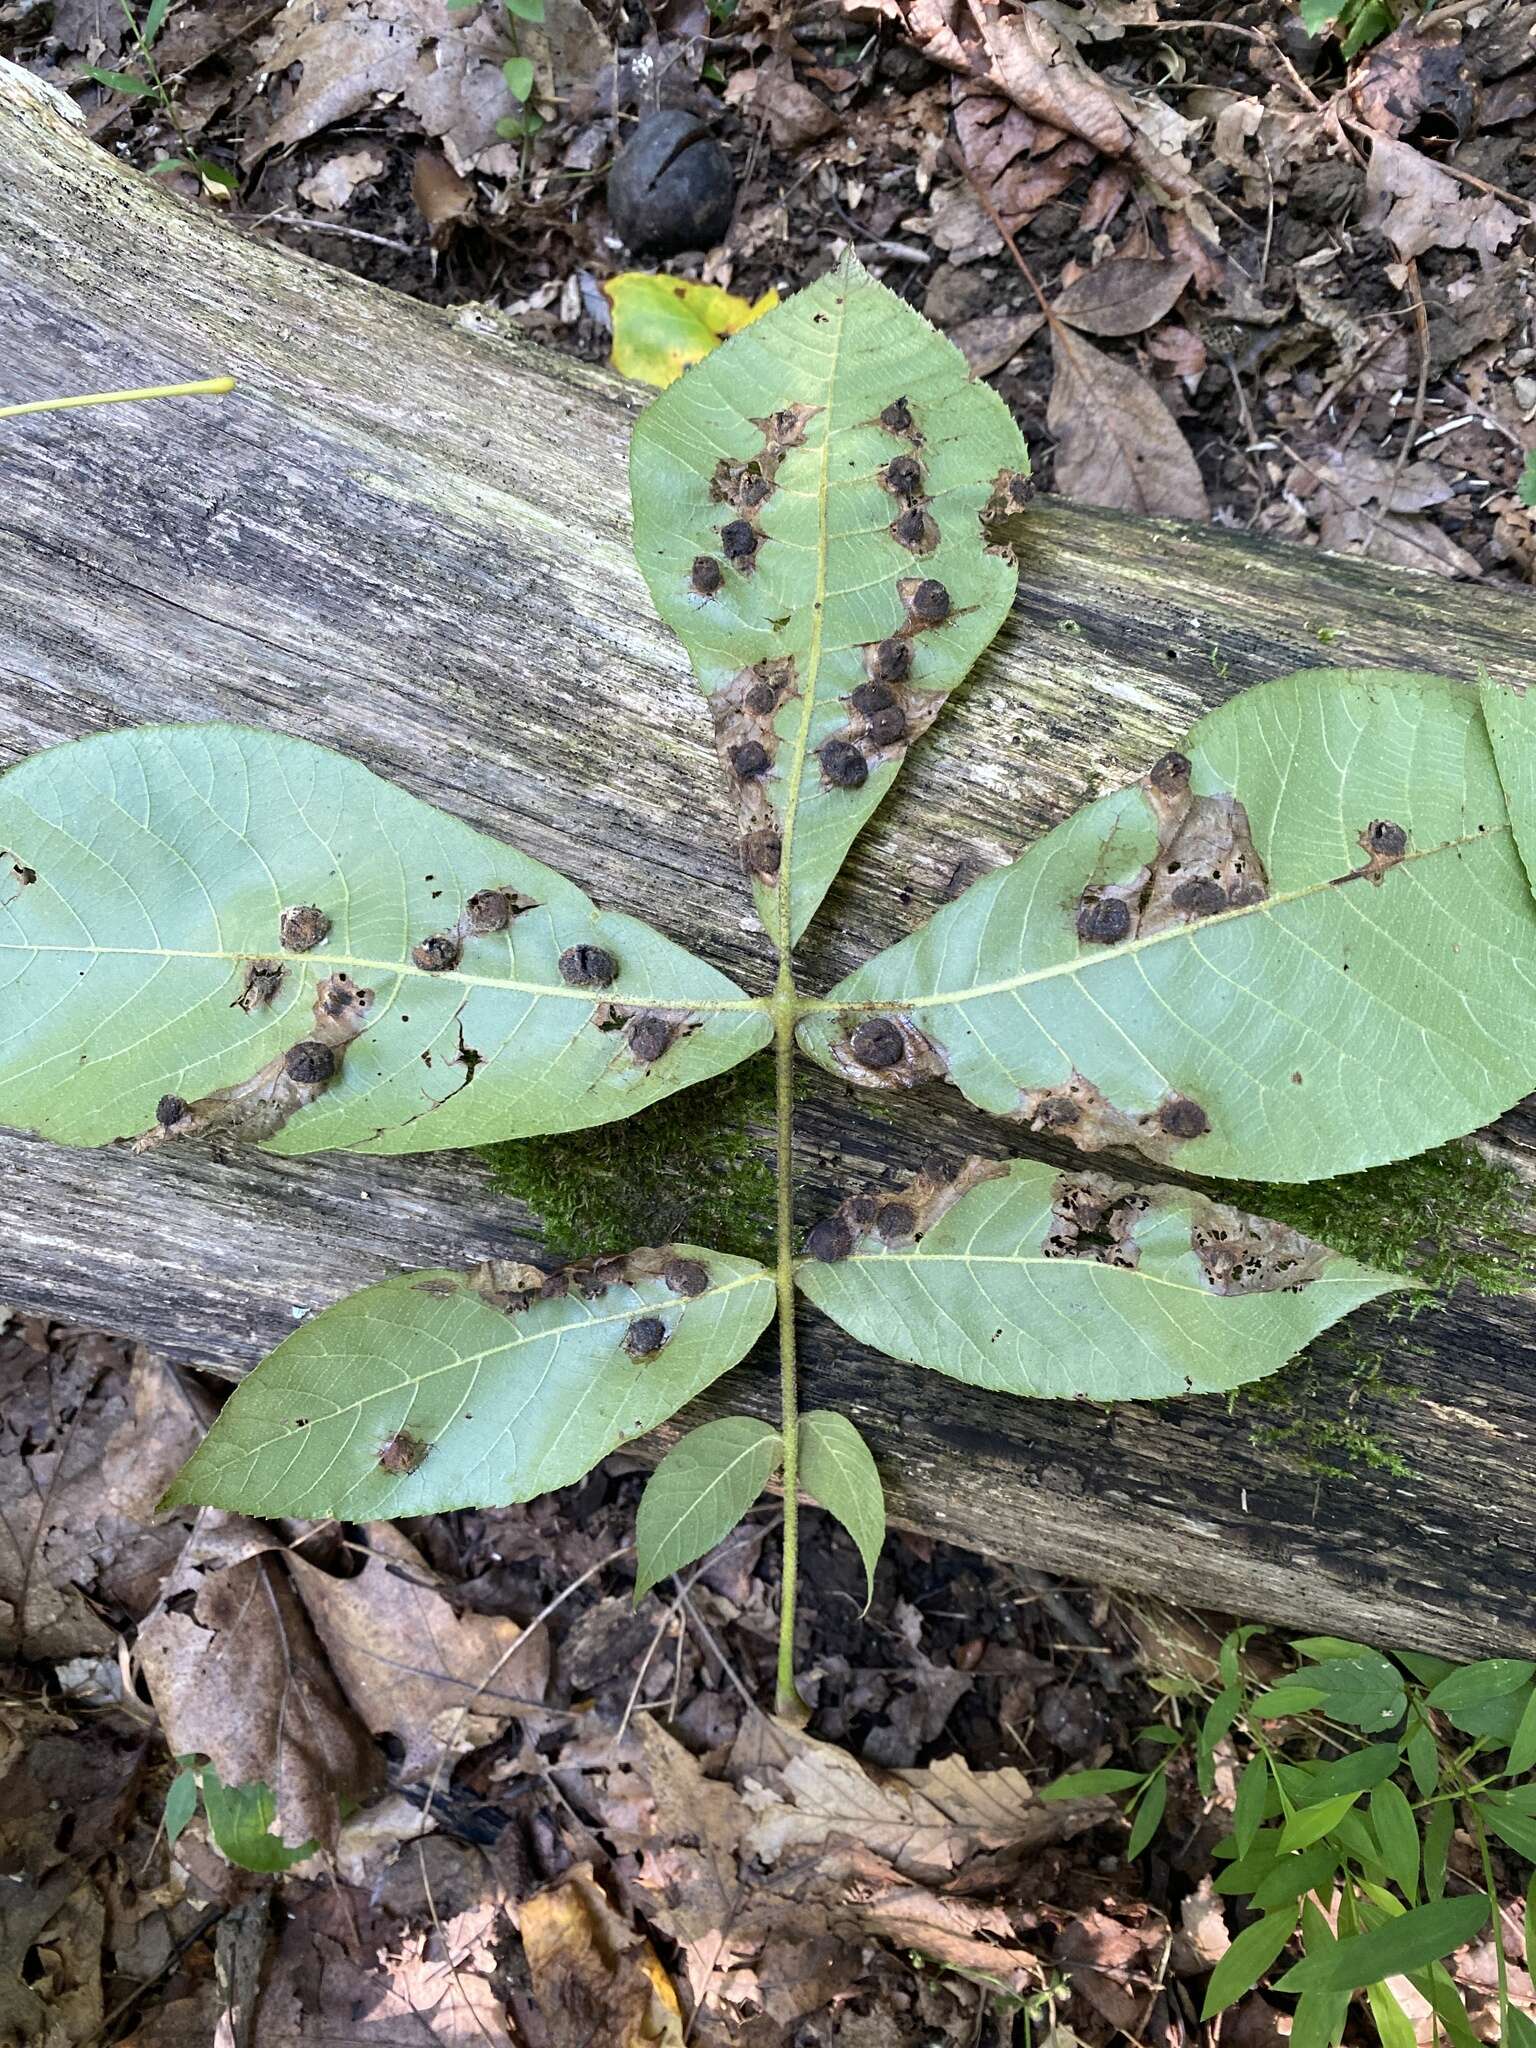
(916, 1260)
(512, 1343)
(821, 1005)
(784, 891)
(406, 969)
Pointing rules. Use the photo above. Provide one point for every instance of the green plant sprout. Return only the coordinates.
(1354, 1768)
(1301, 945)
(147, 83)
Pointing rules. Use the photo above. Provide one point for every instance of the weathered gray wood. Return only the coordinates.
(406, 536)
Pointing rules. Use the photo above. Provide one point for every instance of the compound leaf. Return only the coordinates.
(188, 903)
(837, 1469)
(699, 1492)
(1029, 1281)
(810, 508)
(1303, 946)
(441, 1390)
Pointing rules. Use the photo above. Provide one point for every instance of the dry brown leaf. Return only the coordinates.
(959, 1932)
(410, 1664)
(1123, 295)
(1414, 70)
(1117, 444)
(992, 340)
(237, 1675)
(596, 1980)
(1112, 1964)
(692, 1861)
(346, 1972)
(332, 186)
(444, 69)
(926, 1824)
(1203, 1937)
(1417, 206)
(791, 111)
(1363, 508)
(77, 1496)
(1021, 164)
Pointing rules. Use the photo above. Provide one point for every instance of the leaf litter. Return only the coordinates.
(551, 1811)
(1290, 186)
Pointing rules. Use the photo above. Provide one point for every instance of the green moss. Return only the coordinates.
(1450, 1218)
(697, 1167)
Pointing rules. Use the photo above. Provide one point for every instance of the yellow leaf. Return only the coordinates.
(662, 324)
(583, 1957)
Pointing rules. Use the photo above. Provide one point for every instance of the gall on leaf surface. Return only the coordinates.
(1300, 945)
(440, 1390)
(699, 1492)
(809, 507)
(458, 991)
(1025, 1280)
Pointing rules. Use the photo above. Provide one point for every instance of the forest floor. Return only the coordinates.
(1302, 285)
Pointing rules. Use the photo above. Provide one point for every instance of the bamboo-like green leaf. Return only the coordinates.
(811, 510)
(1406, 1943)
(699, 1492)
(1247, 1959)
(837, 1469)
(1030, 1281)
(1303, 945)
(441, 1390)
(181, 905)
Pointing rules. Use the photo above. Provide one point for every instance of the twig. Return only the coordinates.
(330, 227)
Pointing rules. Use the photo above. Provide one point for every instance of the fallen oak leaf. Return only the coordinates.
(926, 1823)
(1117, 444)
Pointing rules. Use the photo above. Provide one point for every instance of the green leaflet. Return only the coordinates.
(699, 1492)
(837, 1469)
(1028, 1281)
(1307, 945)
(442, 1390)
(786, 553)
(1510, 716)
(142, 956)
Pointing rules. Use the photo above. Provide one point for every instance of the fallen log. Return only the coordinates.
(406, 535)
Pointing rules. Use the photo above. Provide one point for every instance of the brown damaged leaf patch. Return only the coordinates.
(257, 1108)
(1077, 1110)
(1206, 863)
(873, 1222)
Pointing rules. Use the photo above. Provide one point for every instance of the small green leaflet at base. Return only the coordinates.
(1301, 946)
(812, 507)
(1030, 1281)
(442, 1390)
(837, 1469)
(188, 911)
(699, 1492)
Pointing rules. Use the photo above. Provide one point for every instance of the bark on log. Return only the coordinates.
(406, 536)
